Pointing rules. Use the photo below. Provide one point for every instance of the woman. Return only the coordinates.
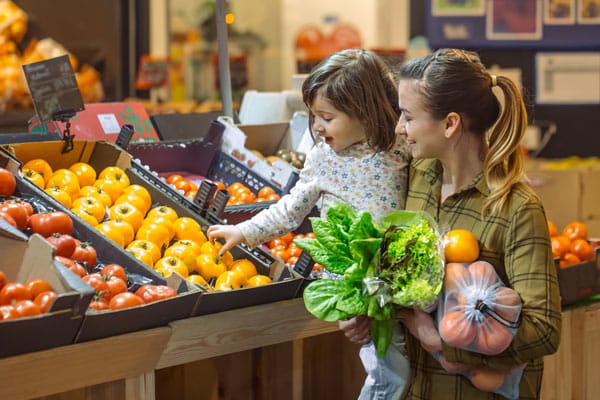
(467, 172)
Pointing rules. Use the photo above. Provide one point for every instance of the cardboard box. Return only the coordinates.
(568, 188)
(579, 281)
(95, 324)
(266, 138)
(26, 258)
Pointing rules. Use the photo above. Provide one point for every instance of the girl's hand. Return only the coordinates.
(421, 325)
(357, 329)
(232, 235)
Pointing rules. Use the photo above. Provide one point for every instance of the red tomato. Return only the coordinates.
(64, 243)
(25, 204)
(13, 292)
(17, 212)
(575, 230)
(48, 223)
(492, 337)
(582, 249)
(8, 183)
(77, 268)
(85, 254)
(99, 305)
(36, 286)
(150, 293)
(456, 329)
(27, 308)
(5, 216)
(125, 300)
(2, 279)
(114, 270)
(45, 299)
(115, 285)
(96, 281)
(8, 312)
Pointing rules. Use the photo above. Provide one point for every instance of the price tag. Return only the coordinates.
(152, 72)
(53, 88)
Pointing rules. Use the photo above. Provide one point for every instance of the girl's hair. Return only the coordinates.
(452, 80)
(360, 84)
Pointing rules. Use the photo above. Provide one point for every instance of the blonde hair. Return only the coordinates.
(453, 80)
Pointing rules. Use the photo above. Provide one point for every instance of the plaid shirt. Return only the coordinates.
(517, 243)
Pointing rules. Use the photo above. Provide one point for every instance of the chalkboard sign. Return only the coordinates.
(53, 88)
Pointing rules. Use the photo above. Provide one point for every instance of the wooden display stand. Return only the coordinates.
(271, 351)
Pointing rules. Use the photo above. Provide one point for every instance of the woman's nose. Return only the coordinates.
(400, 126)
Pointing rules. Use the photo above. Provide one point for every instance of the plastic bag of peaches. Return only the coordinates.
(480, 314)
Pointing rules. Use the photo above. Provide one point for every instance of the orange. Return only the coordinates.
(575, 230)
(560, 245)
(552, 229)
(460, 245)
(257, 280)
(245, 266)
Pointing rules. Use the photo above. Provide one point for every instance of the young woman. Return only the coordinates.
(467, 172)
(358, 159)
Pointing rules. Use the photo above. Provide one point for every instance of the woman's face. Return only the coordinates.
(424, 135)
(335, 127)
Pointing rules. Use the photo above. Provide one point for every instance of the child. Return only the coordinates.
(358, 159)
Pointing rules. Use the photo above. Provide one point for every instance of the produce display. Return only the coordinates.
(155, 234)
(24, 299)
(570, 245)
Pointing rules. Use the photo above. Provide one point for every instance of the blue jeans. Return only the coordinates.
(388, 377)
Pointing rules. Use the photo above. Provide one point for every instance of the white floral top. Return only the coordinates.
(373, 182)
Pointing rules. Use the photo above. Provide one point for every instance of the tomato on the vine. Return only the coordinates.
(48, 223)
(64, 243)
(100, 286)
(99, 305)
(114, 270)
(85, 253)
(115, 285)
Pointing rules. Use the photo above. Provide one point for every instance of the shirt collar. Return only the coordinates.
(432, 169)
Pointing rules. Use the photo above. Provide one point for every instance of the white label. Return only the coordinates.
(109, 123)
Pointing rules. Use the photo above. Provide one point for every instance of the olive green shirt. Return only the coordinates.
(517, 243)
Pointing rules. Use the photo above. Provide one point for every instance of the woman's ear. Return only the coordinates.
(452, 121)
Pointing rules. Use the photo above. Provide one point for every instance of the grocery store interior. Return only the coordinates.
(162, 91)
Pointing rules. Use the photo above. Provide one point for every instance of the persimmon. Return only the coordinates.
(455, 276)
(461, 246)
(456, 329)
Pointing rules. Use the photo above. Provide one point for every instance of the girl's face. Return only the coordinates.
(335, 127)
(424, 135)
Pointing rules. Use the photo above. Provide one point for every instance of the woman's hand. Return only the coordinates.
(421, 325)
(232, 235)
(357, 329)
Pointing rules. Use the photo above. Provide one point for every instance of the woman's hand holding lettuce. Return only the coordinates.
(376, 266)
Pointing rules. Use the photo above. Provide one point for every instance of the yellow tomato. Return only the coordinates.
(85, 215)
(164, 221)
(60, 195)
(35, 177)
(184, 253)
(163, 211)
(198, 280)
(114, 173)
(40, 166)
(188, 228)
(91, 190)
(257, 280)
(111, 232)
(138, 190)
(112, 188)
(230, 280)
(155, 233)
(227, 258)
(91, 204)
(145, 246)
(193, 245)
(209, 267)
(211, 248)
(245, 266)
(135, 200)
(142, 256)
(167, 265)
(66, 182)
(125, 228)
(128, 213)
(85, 173)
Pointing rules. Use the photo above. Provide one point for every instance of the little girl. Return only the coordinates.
(358, 159)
